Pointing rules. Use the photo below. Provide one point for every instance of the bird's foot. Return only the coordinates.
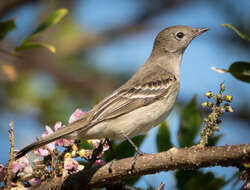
(138, 152)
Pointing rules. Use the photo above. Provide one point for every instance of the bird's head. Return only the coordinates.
(175, 39)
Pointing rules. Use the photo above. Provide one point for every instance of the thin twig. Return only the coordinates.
(53, 161)
(11, 154)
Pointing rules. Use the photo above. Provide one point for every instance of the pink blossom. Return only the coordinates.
(23, 162)
(48, 131)
(15, 168)
(35, 182)
(27, 171)
(19, 165)
(62, 142)
(70, 164)
(51, 146)
(100, 162)
(78, 114)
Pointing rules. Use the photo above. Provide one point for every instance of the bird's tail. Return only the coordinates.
(82, 125)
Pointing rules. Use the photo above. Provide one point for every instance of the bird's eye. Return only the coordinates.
(180, 35)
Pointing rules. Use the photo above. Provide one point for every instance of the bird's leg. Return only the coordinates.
(138, 152)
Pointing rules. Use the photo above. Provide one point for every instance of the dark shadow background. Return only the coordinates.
(100, 44)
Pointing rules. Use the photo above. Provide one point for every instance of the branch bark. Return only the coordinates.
(176, 158)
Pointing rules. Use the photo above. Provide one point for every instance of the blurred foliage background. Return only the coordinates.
(99, 45)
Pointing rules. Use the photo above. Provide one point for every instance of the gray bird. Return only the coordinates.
(143, 102)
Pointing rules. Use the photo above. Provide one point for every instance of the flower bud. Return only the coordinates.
(222, 87)
(229, 109)
(209, 94)
(204, 104)
(67, 155)
(228, 98)
(210, 104)
(218, 96)
(81, 153)
(216, 128)
(74, 147)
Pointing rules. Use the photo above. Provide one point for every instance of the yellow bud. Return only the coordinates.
(209, 94)
(204, 104)
(81, 153)
(74, 147)
(229, 109)
(228, 98)
(67, 155)
(89, 141)
(216, 128)
(222, 87)
(246, 165)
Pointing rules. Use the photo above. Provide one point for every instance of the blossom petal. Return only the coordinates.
(41, 152)
(78, 113)
(100, 162)
(58, 125)
(35, 182)
(70, 164)
(47, 132)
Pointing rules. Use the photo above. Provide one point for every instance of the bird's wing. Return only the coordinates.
(140, 94)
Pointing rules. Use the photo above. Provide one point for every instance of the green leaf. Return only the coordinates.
(53, 19)
(198, 180)
(213, 140)
(6, 26)
(86, 145)
(243, 36)
(240, 70)
(132, 181)
(163, 137)
(32, 45)
(190, 124)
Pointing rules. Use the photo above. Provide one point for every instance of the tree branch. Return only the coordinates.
(176, 158)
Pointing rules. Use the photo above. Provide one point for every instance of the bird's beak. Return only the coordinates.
(200, 31)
